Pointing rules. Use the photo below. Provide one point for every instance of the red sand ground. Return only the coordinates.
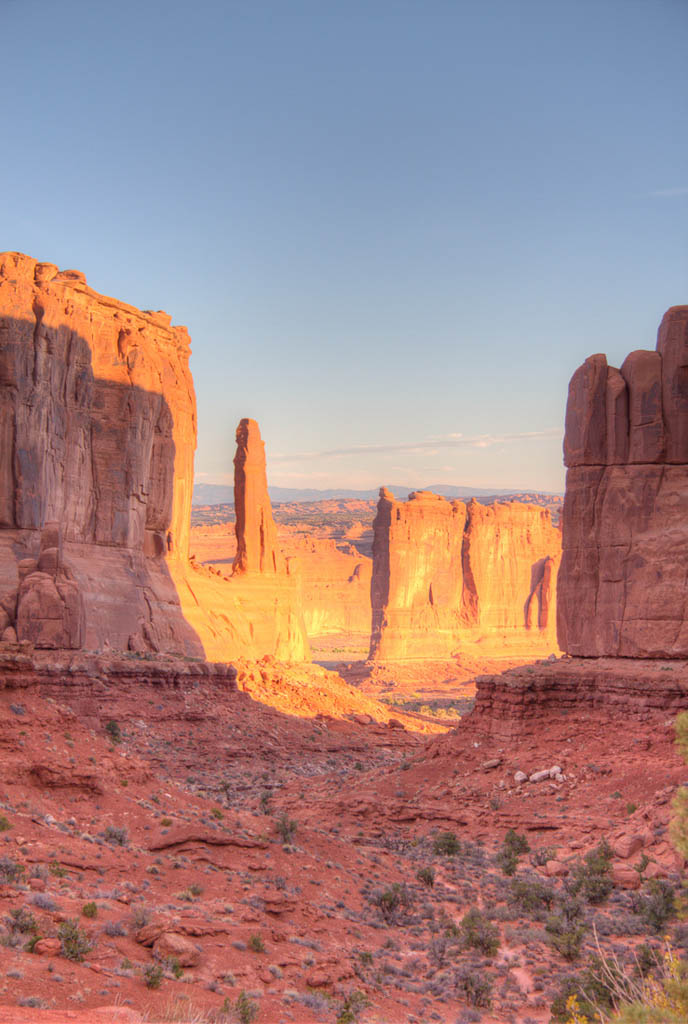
(177, 826)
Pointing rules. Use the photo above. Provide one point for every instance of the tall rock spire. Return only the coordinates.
(256, 533)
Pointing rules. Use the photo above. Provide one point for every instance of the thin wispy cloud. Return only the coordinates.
(669, 193)
(425, 447)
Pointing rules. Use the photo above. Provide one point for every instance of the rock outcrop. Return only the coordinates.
(256, 533)
(622, 581)
(258, 609)
(98, 429)
(97, 440)
(446, 574)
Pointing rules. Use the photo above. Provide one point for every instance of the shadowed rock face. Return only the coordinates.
(622, 582)
(97, 439)
(97, 435)
(446, 574)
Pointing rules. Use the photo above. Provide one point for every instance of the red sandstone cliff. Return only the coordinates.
(97, 439)
(98, 429)
(417, 579)
(622, 581)
(446, 574)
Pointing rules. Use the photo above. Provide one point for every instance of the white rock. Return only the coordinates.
(554, 771)
(539, 776)
(520, 777)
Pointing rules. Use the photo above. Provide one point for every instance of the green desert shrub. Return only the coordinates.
(426, 876)
(153, 975)
(75, 942)
(592, 877)
(391, 901)
(478, 932)
(513, 846)
(446, 845)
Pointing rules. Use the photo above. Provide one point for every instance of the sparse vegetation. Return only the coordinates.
(426, 876)
(74, 941)
(10, 871)
(446, 845)
(286, 828)
(512, 848)
(351, 1006)
(656, 904)
(592, 876)
(566, 930)
(113, 731)
(475, 986)
(478, 932)
(245, 1008)
(116, 836)
(153, 975)
(89, 909)
(531, 895)
(390, 902)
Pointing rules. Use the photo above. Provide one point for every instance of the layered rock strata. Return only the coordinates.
(622, 581)
(517, 702)
(446, 574)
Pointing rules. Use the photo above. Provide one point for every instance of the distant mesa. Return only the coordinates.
(446, 573)
(622, 582)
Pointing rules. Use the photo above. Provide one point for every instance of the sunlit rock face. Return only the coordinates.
(447, 575)
(97, 441)
(97, 437)
(622, 582)
(256, 533)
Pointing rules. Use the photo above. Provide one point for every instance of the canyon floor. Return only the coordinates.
(297, 851)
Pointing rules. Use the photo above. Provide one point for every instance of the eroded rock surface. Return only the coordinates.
(446, 573)
(257, 549)
(622, 582)
(98, 429)
(97, 440)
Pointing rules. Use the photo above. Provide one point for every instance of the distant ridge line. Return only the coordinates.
(223, 494)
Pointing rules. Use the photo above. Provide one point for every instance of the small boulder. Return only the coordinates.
(520, 777)
(556, 869)
(48, 947)
(171, 946)
(539, 776)
(147, 935)
(627, 846)
(625, 877)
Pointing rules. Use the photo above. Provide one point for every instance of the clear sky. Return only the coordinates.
(393, 228)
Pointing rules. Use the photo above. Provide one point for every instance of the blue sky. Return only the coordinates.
(394, 229)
